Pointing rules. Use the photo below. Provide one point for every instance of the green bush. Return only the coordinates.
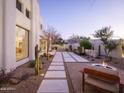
(85, 43)
(32, 63)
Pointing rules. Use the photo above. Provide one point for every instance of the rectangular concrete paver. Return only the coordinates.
(65, 54)
(53, 86)
(69, 60)
(78, 58)
(57, 64)
(56, 68)
(57, 59)
(55, 74)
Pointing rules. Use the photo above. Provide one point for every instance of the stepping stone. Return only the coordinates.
(57, 64)
(57, 61)
(53, 86)
(55, 74)
(69, 60)
(78, 58)
(66, 55)
(56, 68)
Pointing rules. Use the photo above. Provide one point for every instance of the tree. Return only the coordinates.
(59, 41)
(52, 37)
(52, 33)
(85, 43)
(105, 34)
(110, 46)
(74, 39)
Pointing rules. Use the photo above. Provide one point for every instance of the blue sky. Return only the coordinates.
(83, 17)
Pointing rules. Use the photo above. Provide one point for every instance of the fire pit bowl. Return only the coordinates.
(104, 66)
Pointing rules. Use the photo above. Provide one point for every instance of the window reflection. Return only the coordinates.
(123, 50)
(21, 43)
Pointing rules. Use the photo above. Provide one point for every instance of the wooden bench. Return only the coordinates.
(102, 79)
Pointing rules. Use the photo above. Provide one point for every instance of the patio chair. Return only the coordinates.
(102, 79)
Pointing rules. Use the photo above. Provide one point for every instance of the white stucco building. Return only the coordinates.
(20, 30)
(116, 53)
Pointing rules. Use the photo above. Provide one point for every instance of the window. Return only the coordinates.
(27, 14)
(21, 43)
(123, 50)
(41, 26)
(19, 5)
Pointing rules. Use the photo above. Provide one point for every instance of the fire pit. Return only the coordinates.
(104, 65)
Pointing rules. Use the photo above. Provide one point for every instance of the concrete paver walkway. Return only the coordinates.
(72, 57)
(77, 57)
(53, 86)
(55, 80)
(56, 68)
(57, 64)
(55, 74)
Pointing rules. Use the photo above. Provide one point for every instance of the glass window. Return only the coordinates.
(18, 5)
(27, 14)
(21, 43)
(41, 26)
(123, 50)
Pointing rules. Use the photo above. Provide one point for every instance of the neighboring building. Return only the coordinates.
(74, 43)
(20, 30)
(99, 48)
(117, 53)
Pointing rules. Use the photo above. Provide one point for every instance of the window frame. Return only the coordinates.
(28, 44)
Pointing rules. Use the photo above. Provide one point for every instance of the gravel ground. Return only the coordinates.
(30, 84)
(76, 77)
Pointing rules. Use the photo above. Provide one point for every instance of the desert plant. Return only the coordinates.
(37, 64)
(105, 34)
(110, 46)
(32, 63)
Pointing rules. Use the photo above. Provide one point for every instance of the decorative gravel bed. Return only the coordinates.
(30, 83)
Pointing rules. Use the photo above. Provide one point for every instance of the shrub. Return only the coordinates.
(32, 63)
(85, 43)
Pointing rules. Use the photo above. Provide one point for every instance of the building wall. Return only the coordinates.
(117, 53)
(36, 30)
(96, 44)
(9, 18)
(9, 22)
(21, 18)
(24, 22)
(32, 34)
(1, 32)
(32, 24)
